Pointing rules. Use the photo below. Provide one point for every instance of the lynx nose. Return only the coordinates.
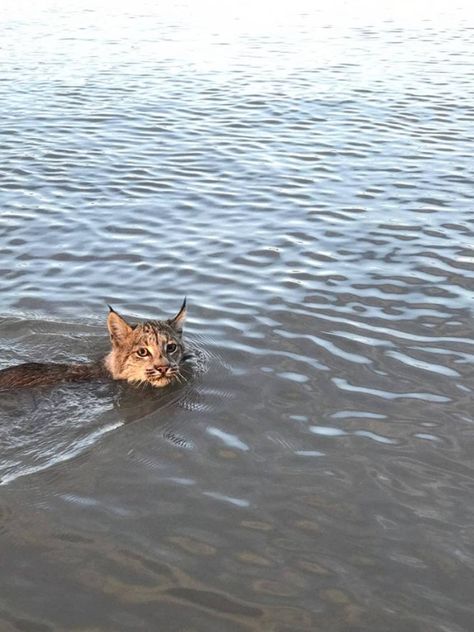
(161, 368)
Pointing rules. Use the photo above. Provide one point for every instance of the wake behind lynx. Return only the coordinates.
(151, 352)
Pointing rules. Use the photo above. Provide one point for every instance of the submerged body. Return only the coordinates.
(44, 374)
(147, 353)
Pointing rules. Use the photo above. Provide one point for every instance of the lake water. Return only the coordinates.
(305, 176)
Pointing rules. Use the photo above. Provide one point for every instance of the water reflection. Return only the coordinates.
(303, 174)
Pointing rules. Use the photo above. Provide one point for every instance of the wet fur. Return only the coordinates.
(42, 374)
(159, 367)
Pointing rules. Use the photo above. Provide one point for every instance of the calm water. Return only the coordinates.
(305, 177)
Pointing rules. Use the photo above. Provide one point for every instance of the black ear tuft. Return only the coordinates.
(178, 321)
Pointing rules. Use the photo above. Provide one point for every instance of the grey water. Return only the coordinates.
(303, 173)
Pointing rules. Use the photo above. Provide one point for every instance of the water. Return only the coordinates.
(304, 176)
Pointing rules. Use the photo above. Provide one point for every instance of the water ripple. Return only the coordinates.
(303, 174)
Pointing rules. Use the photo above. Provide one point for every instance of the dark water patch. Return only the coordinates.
(214, 601)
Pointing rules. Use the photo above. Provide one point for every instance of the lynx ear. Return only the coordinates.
(118, 327)
(178, 321)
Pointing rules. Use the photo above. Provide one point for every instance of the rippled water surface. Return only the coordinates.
(304, 176)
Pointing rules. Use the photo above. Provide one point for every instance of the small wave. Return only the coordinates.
(67, 455)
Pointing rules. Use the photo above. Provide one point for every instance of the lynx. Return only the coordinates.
(151, 352)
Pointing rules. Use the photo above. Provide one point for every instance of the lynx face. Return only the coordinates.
(150, 352)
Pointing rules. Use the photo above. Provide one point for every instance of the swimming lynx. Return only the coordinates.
(151, 352)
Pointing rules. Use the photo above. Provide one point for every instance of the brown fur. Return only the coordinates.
(41, 374)
(146, 353)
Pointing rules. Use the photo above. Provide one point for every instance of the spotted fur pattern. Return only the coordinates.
(150, 352)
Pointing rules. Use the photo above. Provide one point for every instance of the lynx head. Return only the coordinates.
(149, 352)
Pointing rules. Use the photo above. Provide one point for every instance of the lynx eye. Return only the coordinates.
(142, 352)
(171, 347)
